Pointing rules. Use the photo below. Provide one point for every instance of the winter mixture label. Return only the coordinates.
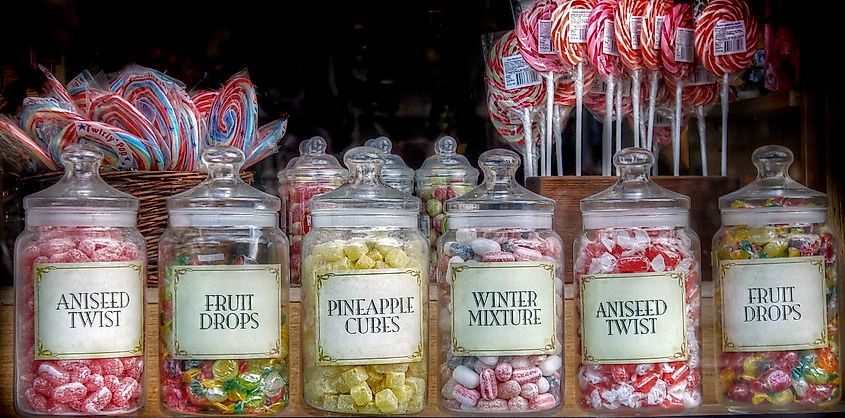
(684, 45)
(578, 25)
(658, 32)
(636, 25)
(608, 45)
(226, 311)
(729, 37)
(374, 318)
(503, 309)
(89, 310)
(518, 73)
(633, 318)
(773, 304)
(544, 37)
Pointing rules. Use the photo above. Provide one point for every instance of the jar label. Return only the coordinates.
(375, 317)
(503, 309)
(89, 310)
(773, 304)
(633, 318)
(226, 311)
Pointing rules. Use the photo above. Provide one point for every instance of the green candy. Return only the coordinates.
(775, 248)
(815, 375)
(255, 400)
(249, 381)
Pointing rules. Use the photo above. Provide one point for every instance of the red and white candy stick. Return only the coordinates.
(533, 33)
(677, 56)
(114, 110)
(569, 38)
(54, 89)
(604, 55)
(726, 37)
(627, 20)
(651, 35)
(20, 150)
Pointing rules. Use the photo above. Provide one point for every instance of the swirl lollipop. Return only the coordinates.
(42, 118)
(604, 55)
(651, 35)
(533, 33)
(269, 137)
(20, 151)
(627, 21)
(677, 55)
(726, 37)
(569, 39)
(192, 128)
(234, 114)
(122, 150)
(203, 99)
(54, 89)
(114, 110)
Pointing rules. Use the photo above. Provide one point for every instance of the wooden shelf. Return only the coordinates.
(296, 407)
(761, 105)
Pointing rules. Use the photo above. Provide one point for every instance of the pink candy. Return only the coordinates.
(509, 389)
(518, 404)
(528, 374)
(69, 392)
(529, 391)
(498, 257)
(53, 374)
(541, 402)
(465, 395)
(488, 384)
(97, 401)
(492, 405)
(504, 372)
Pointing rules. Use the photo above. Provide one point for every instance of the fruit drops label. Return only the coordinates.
(227, 311)
(773, 304)
(633, 318)
(377, 317)
(89, 310)
(503, 309)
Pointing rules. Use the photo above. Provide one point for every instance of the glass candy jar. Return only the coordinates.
(80, 270)
(500, 298)
(444, 175)
(312, 174)
(774, 269)
(395, 173)
(223, 283)
(282, 176)
(637, 294)
(365, 297)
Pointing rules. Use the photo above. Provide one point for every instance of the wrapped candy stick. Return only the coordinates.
(42, 118)
(627, 21)
(20, 151)
(651, 36)
(677, 56)
(269, 136)
(604, 55)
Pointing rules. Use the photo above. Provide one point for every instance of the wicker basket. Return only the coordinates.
(152, 188)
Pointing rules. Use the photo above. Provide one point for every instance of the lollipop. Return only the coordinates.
(604, 55)
(79, 89)
(203, 99)
(114, 110)
(20, 151)
(192, 128)
(651, 35)
(43, 118)
(269, 137)
(54, 89)
(725, 40)
(697, 93)
(122, 150)
(569, 39)
(234, 114)
(676, 53)
(533, 33)
(627, 21)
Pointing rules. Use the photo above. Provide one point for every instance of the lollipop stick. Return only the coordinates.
(725, 125)
(607, 134)
(579, 97)
(559, 117)
(652, 99)
(635, 97)
(619, 117)
(676, 132)
(550, 93)
(702, 137)
(530, 168)
(657, 154)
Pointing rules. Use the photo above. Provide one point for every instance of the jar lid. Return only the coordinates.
(395, 173)
(313, 163)
(283, 173)
(364, 200)
(635, 200)
(447, 164)
(773, 197)
(223, 199)
(81, 197)
(499, 201)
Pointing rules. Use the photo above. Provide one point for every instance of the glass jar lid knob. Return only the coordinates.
(223, 162)
(772, 161)
(81, 161)
(633, 164)
(499, 166)
(365, 164)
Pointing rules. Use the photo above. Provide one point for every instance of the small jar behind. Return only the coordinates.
(395, 173)
(637, 293)
(444, 175)
(312, 174)
(282, 176)
(500, 298)
(223, 283)
(364, 329)
(80, 271)
(777, 313)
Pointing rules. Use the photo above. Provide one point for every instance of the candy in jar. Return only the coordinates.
(774, 270)
(500, 298)
(364, 338)
(282, 176)
(637, 295)
(395, 173)
(223, 269)
(80, 268)
(312, 174)
(444, 175)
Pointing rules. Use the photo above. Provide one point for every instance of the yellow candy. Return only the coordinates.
(329, 252)
(258, 365)
(355, 249)
(330, 402)
(361, 393)
(396, 367)
(225, 369)
(739, 255)
(369, 409)
(345, 403)
(726, 377)
(417, 384)
(386, 401)
(403, 393)
(375, 378)
(355, 376)
(793, 252)
(782, 398)
(339, 385)
(417, 368)
(190, 374)
(759, 398)
(365, 263)
(397, 258)
(750, 367)
(226, 409)
(320, 387)
(235, 396)
(375, 255)
(395, 380)
(382, 265)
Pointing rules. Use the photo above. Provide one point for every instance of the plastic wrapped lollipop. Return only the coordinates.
(533, 33)
(604, 55)
(698, 95)
(677, 55)
(565, 98)
(21, 152)
(510, 125)
(43, 118)
(569, 38)
(651, 35)
(628, 20)
(726, 37)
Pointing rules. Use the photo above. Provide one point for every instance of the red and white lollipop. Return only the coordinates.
(651, 35)
(604, 55)
(627, 21)
(676, 53)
